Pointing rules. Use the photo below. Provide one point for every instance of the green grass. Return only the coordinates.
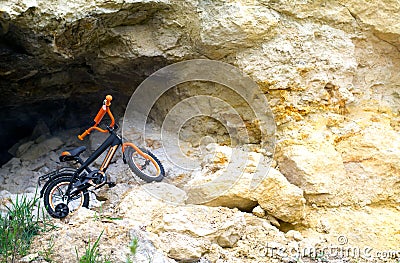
(101, 217)
(48, 252)
(18, 226)
(132, 248)
(92, 253)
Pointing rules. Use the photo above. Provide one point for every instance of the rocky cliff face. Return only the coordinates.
(329, 70)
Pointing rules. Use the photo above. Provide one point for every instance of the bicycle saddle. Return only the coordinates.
(71, 154)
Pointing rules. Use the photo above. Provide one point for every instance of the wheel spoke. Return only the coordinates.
(61, 194)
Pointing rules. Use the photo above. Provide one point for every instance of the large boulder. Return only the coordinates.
(34, 151)
(281, 199)
(226, 27)
(192, 236)
(317, 169)
(243, 183)
(371, 158)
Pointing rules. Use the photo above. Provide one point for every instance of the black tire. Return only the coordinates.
(145, 168)
(53, 195)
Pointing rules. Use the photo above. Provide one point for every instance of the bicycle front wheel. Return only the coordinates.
(147, 166)
(55, 194)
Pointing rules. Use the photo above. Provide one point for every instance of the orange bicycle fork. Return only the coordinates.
(140, 152)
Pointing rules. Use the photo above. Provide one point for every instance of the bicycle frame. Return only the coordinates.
(112, 143)
(84, 179)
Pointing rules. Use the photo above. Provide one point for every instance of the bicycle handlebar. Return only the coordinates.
(103, 110)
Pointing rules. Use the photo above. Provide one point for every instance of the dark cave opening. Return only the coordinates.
(39, 84)
(62, 93)
(78, 111)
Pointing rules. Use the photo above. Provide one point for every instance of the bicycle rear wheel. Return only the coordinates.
(147, 167)
(55, 194)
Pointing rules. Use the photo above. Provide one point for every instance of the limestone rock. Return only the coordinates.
(272, 220)
(293, 234)
(231, 185)
(226, 27)
(23, 148)
(184, 248)
(280, 198)
(223, 180)
(183, 233)
(237, 195)
(371, 158)
(317, 169)
(81, 216)
(286, 64)
(331, 12)
(139, 199)
(37, 150)
(40, 132)
(210, 223)
(113, 244)
(12, 164)
(166, 193)
(258, 211)
(29, 258)
(376, 15)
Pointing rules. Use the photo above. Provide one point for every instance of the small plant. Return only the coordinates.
(92, 253)
(18, 226)
(46, 254)
(132, 248)
(101, 217)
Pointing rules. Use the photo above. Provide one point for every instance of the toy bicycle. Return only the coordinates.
(67, 189)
